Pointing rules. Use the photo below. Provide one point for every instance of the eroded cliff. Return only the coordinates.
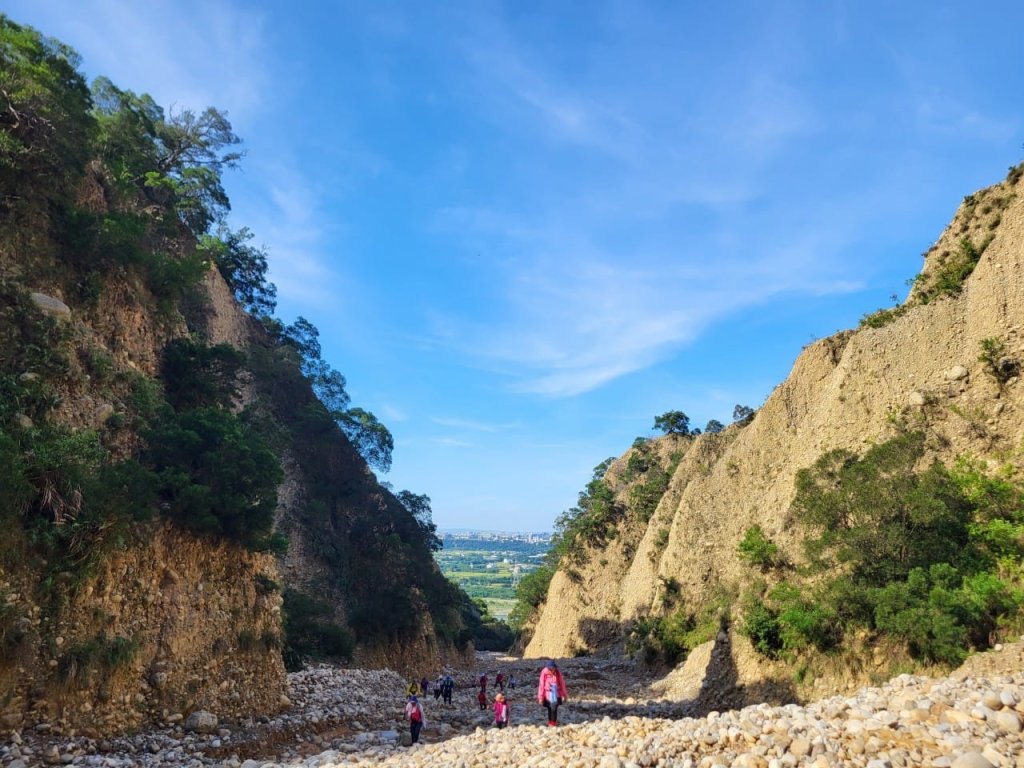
(920, 368)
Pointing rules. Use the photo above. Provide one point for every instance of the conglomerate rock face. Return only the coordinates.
(848, 391)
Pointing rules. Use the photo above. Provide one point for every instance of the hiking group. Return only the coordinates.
(551, 693)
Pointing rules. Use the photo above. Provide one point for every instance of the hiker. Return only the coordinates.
(500, 711)
(551, 690)
(438, 685)
(446, 689)
(500, 681)
(511, 682)
(424, 686)
(414, 713)
(483, 682)
(481, 699)
(413, 689)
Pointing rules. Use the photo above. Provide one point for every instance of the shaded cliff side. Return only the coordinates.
(185, 501)
(916, 367)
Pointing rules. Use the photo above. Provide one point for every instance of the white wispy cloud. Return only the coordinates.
(472, 425)
(452, 442)
(185, 53)
(578, 309)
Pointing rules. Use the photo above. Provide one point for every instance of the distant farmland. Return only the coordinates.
(488, 565)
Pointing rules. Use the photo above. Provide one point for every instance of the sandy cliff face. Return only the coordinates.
(846, 391)
(167, 625)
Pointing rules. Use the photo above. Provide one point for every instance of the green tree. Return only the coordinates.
(45, 125)
(673, 423)
(743, 414)
(876, 516)
(196, 375)
(371, 438)
(216, 475)
(418, 505)
(243, 267)
(176, 158)
(714, 426)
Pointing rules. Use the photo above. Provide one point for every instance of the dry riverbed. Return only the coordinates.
(354, 717)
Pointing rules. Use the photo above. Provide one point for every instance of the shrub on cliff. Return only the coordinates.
(930, 556)
(214, 474)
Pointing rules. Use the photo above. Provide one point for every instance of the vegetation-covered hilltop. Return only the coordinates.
(868, 519)
(174, 467)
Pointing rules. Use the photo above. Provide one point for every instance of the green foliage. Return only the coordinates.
(939, 613)
(743, 414)
(418, 505)
(882, 317)
(486, 632)
(713, 427)
(243, 267)
(999, 365)
(67, 497)
(45, 125)
(670, 638)
(757, 549)
(761, 624)
(215, 475)
(99, 654)
(591, 522)
(673, 423)
(175, 159)
(531, 591)
(33, 353)
(310, 632)
(199, 376)
(949, 276)
(927, 556)
(371, 438)
(645, 495)
(875, 517)
(266, 585)
(803, 620)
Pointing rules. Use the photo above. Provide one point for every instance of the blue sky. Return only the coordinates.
(524, 229)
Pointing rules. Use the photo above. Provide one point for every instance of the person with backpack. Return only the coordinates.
(551, 690)
(481, 699)
(414, 714)
(499, 681)
(500, 711)
(447, 687)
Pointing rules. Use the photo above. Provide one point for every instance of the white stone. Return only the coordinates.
(972, 760)
(48, 305)
(956, 373)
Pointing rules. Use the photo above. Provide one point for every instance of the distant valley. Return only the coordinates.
(488, 565)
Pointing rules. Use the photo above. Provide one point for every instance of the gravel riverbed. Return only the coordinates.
(339, 717)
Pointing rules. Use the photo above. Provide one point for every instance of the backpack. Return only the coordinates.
(417, 713)
(553, 691)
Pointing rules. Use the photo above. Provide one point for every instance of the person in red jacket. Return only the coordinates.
(551, 690)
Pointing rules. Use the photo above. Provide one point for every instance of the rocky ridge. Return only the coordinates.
(848, 391)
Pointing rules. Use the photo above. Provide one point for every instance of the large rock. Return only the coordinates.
(201, 721)
(50, 306)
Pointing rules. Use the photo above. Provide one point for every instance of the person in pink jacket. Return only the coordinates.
(500, 711)
(551, 690)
